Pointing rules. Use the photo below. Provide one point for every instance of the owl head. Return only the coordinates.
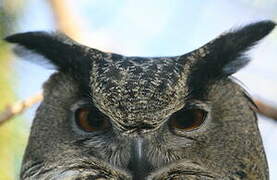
(110, 116)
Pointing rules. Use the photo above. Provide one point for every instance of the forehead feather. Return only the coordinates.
(137, 88)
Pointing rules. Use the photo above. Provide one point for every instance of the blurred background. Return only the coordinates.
(137, 28)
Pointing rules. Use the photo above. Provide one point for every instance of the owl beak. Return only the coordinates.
(138, 165)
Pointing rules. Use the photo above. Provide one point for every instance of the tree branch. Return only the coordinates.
(266, 110)
(65, 19)
(15, 109)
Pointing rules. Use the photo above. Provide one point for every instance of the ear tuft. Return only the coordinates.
(233, 45)
(59, 50)
(225, 55)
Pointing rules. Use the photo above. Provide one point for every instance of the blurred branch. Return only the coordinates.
(266, 110)
(18, 108)
(65, 20)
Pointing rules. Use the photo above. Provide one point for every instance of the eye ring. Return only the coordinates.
(91, 120)
(188, 119)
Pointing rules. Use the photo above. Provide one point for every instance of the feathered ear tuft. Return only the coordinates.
(226, 54)
(229, 49)
(65, 54)
(57, 48)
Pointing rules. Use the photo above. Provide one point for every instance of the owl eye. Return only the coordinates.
(187, 120)
(91, 120)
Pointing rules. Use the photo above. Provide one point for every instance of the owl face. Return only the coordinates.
(109, 116)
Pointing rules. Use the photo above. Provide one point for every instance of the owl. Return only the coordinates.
(110, 116)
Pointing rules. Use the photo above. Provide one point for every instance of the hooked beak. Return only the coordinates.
(139, 165)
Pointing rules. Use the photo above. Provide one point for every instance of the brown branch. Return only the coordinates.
(15, 109)
(65, 19)
(266, 110)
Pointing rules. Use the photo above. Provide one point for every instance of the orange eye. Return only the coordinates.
(187, 120)
(91, 120)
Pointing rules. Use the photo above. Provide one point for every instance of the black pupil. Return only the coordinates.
(95, 119)
(185, 121)
(188, 119)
